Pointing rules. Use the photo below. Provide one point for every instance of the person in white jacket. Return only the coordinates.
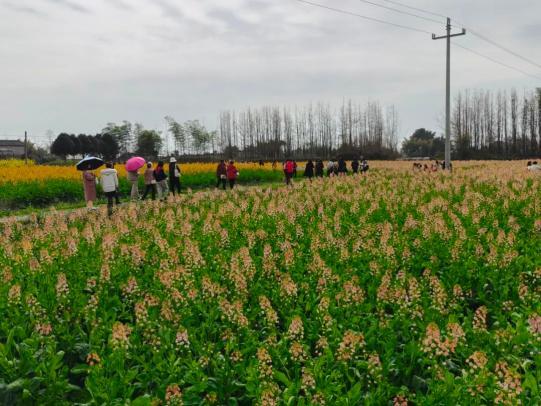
(109, 184)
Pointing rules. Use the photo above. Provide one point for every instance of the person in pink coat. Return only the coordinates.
(89, 183)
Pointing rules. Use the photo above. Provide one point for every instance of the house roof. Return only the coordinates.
(11, 143)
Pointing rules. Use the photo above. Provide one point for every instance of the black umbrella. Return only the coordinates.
(89, 164)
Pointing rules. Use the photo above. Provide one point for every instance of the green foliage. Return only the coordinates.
(38, 194)
(423, 143)
(149, 143)
(374, 289)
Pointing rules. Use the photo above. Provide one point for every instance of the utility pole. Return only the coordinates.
(25, 148)
(448, 37)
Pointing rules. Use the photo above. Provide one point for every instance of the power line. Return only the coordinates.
(402, 12)
(472, 31)
(337, 10)
(496, 61)
(478, 35)
(415, 8)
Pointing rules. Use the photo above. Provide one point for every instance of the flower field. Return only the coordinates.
(393, 288)
(34, 185)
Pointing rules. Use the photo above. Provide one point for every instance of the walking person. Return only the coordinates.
(342, 167)
(232, 174)
(319, 168)
(221, 174)
(355, 166)
(150, 182)
(174, 176)
(109, 185)
(89, 183)
(365, 166)
(309, 170)
(161, 181)
(133, 178)
(330, 168)
(289, 170)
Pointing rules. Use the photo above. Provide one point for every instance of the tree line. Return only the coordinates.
(310, 131)
(503, 124)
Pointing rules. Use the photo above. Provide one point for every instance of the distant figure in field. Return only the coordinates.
(133, 178)
(274, 165)
(174, 175)
(161, 180)
(221, 174)
(364, 166)
(534, 167)
(309, 170)
(294, 169)
(330, 168)
(319, 168)
(109, 184)
(150, 182)
(355, 166)
(232, 174)
(289, 171)
(261, 163)
(342, 167)
(89, 183)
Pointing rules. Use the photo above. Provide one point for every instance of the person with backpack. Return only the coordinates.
(109, 185)
(161, 181)
(309, 170)
(319, 168)
(221, 174)
(289, 170)
(232, 174)
(150, 182)
(174, 175)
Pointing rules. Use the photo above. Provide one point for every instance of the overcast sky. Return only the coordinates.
(74, 65)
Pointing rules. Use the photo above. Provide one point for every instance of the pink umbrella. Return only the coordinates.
(135, 163)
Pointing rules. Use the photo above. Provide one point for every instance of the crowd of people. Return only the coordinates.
(432, 167)
(159, 182)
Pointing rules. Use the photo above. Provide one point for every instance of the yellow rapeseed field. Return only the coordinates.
(16, 171)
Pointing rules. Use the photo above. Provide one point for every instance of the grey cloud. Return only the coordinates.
(25, 9)
(531, 31)
(169, 9)
(230, 19)
(121, 4)
(70, 5)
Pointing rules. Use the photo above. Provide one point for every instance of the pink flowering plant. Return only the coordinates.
(389, 288)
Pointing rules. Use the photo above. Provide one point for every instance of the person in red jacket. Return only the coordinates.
(232, 174)
(289, 170)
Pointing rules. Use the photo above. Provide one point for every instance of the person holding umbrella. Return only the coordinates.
(174, 175)
(132, 166)
(87, 165)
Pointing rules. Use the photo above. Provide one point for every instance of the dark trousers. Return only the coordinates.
(111, 197)
(222, 182)
(150, 188)
(288, 178)
(231, 183)
(174, 184)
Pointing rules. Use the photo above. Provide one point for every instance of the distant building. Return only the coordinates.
(11, 149)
